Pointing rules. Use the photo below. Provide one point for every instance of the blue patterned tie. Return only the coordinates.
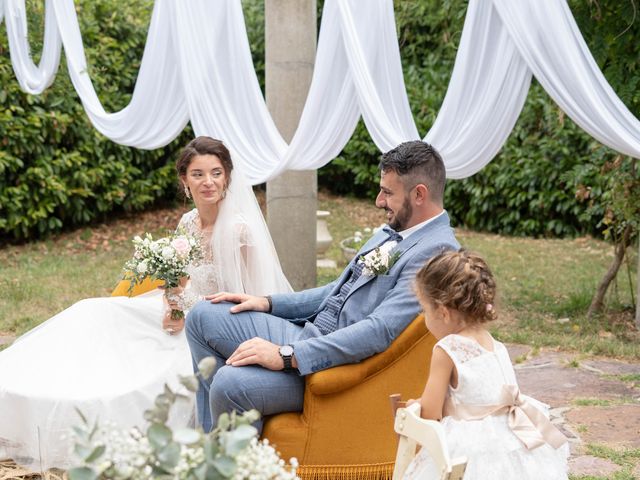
(393, 235)
(327, 319)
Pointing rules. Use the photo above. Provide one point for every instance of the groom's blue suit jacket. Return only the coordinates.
(377, 308)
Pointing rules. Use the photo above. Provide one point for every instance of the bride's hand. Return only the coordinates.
(244, 301)
(170, 325)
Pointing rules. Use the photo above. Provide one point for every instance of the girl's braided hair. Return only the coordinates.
(460, 280)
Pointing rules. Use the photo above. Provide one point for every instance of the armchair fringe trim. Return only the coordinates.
(374, 471)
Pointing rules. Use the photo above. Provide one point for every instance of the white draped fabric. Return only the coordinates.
(32, 79)
(197, 67)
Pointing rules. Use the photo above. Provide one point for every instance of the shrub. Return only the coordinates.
(56, 170)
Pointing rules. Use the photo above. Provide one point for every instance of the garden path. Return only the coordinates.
(594, 401)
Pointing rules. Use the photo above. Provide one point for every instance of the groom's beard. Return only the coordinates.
(400, 220)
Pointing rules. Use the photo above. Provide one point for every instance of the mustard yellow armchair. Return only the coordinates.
(345, 430)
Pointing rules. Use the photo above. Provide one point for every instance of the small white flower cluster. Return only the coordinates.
(126, 455)
(190, 458)
(260, 461)
(164, 259)
(380, 260)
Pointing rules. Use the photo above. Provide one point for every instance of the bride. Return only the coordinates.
(109, 357)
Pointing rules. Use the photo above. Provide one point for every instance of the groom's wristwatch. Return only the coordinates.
(286, 352)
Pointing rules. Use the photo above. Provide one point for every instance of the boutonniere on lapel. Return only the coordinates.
(380, 260)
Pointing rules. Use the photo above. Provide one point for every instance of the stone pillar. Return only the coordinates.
(290, 49)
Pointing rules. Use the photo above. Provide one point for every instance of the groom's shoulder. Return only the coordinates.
(438, 230)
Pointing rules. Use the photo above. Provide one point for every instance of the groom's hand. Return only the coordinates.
(258, 351)
(244, 302)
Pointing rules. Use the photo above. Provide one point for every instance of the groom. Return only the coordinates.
(264, 346)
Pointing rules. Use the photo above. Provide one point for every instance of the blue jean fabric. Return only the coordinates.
(213, 331)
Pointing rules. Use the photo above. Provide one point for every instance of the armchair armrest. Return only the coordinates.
(122, 288)
(337, 379)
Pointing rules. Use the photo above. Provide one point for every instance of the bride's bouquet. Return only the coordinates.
(165, 259)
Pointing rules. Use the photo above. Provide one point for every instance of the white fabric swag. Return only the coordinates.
(197, 67)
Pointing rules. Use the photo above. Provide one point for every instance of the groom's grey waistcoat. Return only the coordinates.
(376, 309)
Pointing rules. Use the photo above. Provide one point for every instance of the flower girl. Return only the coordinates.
(472, 387)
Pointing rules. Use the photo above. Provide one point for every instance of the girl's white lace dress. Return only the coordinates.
(107, 357)
(492, 449)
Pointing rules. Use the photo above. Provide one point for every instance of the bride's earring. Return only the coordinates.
(224, 193)
(187, 193)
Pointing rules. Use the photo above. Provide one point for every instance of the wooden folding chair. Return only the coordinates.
(429, 434)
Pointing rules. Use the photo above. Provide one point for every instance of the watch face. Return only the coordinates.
(286, 350)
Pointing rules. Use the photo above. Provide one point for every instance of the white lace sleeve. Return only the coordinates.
(188, 223)
(459, 348)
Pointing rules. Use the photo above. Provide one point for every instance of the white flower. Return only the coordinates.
(168, 253)
(367, 230)
(380, 260)
(142, 267)
(357, 234)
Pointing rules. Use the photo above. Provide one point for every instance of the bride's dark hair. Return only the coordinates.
(204, 146)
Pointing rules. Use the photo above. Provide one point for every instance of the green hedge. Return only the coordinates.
(56, 170)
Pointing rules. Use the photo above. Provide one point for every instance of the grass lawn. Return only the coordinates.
(545, 285)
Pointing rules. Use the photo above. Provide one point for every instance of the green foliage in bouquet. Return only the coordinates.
(230, 451)
(165, 259)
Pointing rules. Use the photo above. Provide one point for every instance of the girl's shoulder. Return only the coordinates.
(461, 349)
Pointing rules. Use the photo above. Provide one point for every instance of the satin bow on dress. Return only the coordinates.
(528, 423)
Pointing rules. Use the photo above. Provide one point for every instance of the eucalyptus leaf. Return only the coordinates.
(211, 449)
(79, 412)
(186, 436)
(95, 454)
(224, 421)
(213, 473)
(149, 415)
(190, 382)
(82, 473)
(237, 440)
(163, 401)
(159, 435)
(169, 456)
(82, 451)
(206, 366)
(169, 393)
(251, 416)
(200, 472)
(81, 433)
(225, 465)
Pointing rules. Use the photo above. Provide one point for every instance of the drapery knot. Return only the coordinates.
(528, 423)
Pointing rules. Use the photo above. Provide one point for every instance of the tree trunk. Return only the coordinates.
(638, 289)
(597, 303)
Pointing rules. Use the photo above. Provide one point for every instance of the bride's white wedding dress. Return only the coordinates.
(109, 357)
